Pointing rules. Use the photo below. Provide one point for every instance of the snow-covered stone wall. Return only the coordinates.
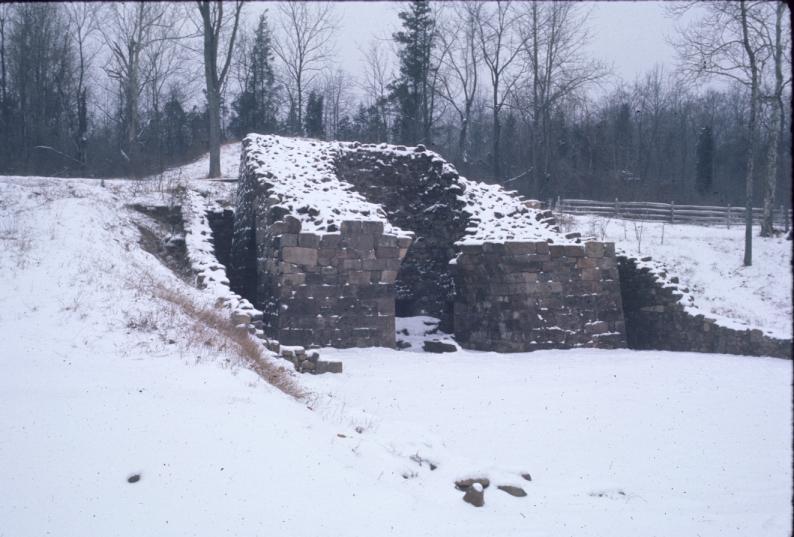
(656, 318)
(322, 261)
(330, 239)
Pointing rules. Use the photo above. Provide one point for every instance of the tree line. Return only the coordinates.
(506, 90)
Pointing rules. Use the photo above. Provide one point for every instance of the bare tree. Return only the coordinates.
(752, 129)
(128, 30)
(378, 73)
(337, 100)
(725, 43)
(83, 24)
(215, 27)
(554, 35)
(5, 108)
(303, 44)
(166, 64)
(240, 69)
(4, 16)
(458, 84)
(500, 44)
(779, 43)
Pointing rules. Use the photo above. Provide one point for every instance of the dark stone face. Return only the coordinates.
(510, 299)
(222, 225)
(417, 197)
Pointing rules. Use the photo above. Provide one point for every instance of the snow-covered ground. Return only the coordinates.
(616, 442)
(101, 379)
(708, 261)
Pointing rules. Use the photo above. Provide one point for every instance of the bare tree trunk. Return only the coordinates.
(535, 99)
(213, 94)
(214, 112)
(300, 104)
(3, 82)
(132, 107)
(212, 25)
(82, 130)
(770, 185)
(463, 136)
(497, 132)
(752, 128)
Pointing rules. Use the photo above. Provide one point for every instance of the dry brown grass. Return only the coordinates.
(211, 325)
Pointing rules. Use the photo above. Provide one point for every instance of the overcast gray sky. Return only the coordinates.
(629, 35)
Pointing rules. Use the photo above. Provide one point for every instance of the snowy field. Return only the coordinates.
(708, 261)
(100, 379)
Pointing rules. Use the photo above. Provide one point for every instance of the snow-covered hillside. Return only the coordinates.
(708, 261)
(101, 378)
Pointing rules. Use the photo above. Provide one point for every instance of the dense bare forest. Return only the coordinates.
(505, 90)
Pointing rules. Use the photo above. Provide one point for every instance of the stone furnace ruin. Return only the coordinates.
(331, 240)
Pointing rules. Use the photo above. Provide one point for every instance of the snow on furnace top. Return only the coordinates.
(495, 214)
(301, 173)
(499, 215)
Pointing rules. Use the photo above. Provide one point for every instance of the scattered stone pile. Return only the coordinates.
(474, 489)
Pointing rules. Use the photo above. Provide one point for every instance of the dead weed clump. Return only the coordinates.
(15, 239)
(212, 327)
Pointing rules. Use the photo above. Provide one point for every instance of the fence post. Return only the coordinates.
(728, 218)
(672, 212)
(617, 209)
(787, 214)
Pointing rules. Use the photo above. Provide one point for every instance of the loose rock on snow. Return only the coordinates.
(438, 347)
(464, 484)
(518, 492)
(475, 495)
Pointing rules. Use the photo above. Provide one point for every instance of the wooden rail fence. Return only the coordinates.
(669, 212)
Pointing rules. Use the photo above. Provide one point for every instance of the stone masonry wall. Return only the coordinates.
(222, 224)
(321, 230)
(242, 267)
(522, 296)
(655, 319)
(419, 194)
(327, 289)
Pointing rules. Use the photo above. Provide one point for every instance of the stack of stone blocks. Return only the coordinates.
(523, 296)
(330, 289)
